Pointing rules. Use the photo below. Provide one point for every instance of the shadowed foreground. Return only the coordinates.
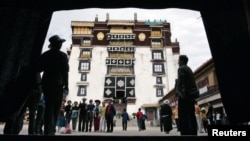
(115, 138)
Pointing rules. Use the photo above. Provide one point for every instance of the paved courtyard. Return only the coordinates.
(131, 131)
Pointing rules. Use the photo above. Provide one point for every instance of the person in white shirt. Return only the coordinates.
(102, 127)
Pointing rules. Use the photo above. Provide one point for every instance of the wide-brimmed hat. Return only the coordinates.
(166, 101)
(55, 39)
(111, 99)
(97, 101)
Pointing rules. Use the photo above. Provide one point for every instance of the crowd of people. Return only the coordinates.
(99, 117)
(87, 117)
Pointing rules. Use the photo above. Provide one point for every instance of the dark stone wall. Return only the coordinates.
(22, 34)
(229, 41)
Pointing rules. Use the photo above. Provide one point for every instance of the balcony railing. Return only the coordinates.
(126, 56)
(157, 46)
(86, 44)
(156, 34)
(120, 72)
(211, 90)
(85, 56)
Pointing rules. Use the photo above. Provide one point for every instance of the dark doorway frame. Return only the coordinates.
(24, 26)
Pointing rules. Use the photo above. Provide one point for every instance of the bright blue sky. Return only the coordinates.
(186, 26)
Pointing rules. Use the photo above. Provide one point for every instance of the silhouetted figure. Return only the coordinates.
(40, 116)
(82, 115)
(166, 115)
(54, 65)
(125, 119)
(184, 88)
(68, 111)
(210, 114)
(143, 125)
(90, 115)
(161, 120)
(14, 126)
(33, 103)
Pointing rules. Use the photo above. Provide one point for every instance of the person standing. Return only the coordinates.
(184, 89)
(102, 127)
(74, 115)
(218, 118)
(125, 119)
(198, 117)
(33, 102)
(61, 120)
(161, 120)
(166, 113)
(109, 115)
(210, 114)
(82, 115)
(90, 115)
(143, 125)
(40, 116)
(54, 66)
(139, 116)
(15, 124)
(225, 118)
(176, 118)
(97, 115)
(68, 111)
(204, 119)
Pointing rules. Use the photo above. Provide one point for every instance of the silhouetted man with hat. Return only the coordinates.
(54, 65)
